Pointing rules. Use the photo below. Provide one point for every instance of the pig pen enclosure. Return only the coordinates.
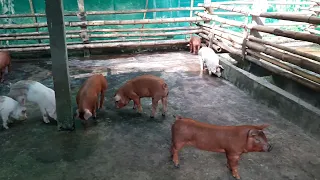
(269, 51)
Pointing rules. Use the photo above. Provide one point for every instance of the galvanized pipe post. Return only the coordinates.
(60, 69)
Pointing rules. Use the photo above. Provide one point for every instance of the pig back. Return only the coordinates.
(148, 85)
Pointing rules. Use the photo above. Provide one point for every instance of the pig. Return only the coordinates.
(11, 108)
(143, 86)
(5, 64)
(232, 140)
(33, 91)
(207, 57)
(88, 96)
(194, 44)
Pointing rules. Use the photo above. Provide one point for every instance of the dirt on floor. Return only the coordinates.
(125, 145)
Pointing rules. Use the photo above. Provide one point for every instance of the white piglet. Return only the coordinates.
(209, 59)
(33, 91)
(10, 108)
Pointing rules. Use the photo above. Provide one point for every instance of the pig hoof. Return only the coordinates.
(163, 114)
(151, 116)
(177, 166)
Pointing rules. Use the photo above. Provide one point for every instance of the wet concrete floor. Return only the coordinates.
(126, 145)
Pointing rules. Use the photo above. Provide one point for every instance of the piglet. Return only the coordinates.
(232, 140)
(11, 108)
(194, 44)
(33, 91)
(88, 96)
(143, 86)
(209, 59)
(5, 64)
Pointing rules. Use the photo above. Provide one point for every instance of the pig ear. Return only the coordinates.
(253, 132)
(263, 126)
(87, 114)
(221, 67)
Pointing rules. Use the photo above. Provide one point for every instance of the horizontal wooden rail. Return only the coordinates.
(101, 23)
(106, 45)
(108, 35)
(102, 30)
(80, 42)
(106, 12)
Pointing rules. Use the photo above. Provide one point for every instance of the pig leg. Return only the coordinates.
(5, 119)
(1, 77)
(233, 161)
(174, 152)
(164, 102)
(101, 99)
(154, 106)
(190, 47)
(44, 115)
(136, 101)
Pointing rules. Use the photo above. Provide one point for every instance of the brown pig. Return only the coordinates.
(5, 62)
(88, 96)
(232, 140)
(194, 44)
(143, 86)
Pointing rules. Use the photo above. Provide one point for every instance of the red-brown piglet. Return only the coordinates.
(5, 62)
(143, 86)
(232, 140)
(194, 44)
(88, 96)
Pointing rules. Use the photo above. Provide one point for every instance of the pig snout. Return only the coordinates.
(270, 147)
(267, 148)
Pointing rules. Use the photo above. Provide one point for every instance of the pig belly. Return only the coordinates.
(207, 146)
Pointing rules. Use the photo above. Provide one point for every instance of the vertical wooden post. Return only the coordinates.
(60, 69)
(258, 6)
(35, 19)
(191, 6)
(84, 33)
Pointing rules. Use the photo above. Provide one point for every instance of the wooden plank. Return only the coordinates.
(60, 68)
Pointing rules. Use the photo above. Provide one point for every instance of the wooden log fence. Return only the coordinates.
(270, 30)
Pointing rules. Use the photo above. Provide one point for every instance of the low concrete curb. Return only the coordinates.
(291, 107)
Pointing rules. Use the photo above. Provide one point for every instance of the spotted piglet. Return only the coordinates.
(10, 108)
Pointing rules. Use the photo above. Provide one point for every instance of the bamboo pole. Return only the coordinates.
(224, 35)
(214, 46)
(34, 18)
(313, 31)
(277, 70)
(287, 66)
(93, 42)
(107, 35)
(128, 22)
(102, 30)
(107, 12)
(34, 37)
(303, 54)
(270, 30)
(284, 16)
(222, 45)
(250, 2)
(191, 6)
(228, 40)
(101, 23)
(145, 34)
(306, 64)
(82, 17)
(106, 45)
